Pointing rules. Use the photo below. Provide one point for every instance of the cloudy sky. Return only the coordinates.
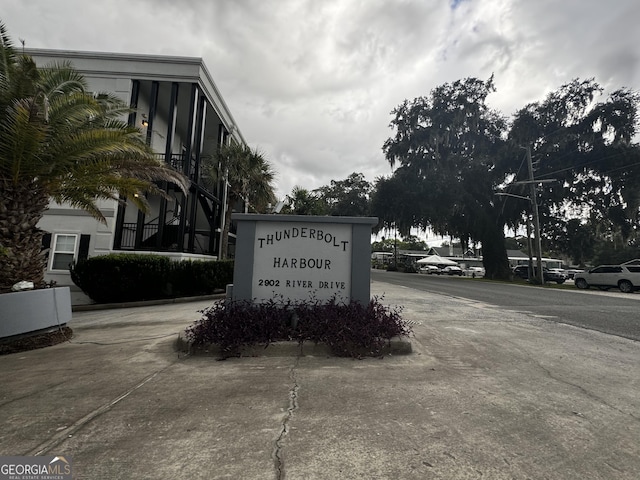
(311, 83)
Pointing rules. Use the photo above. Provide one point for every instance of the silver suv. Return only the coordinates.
(626, 277)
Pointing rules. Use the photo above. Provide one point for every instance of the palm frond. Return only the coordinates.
(7, 52)
(61, 79)
(20, 142)
(249, 175)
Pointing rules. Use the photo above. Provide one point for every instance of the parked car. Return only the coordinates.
(474, 272)
(452, 270)
(522, 271)
(429, 269)
(604, 277)
(559, 273)
(571, 273)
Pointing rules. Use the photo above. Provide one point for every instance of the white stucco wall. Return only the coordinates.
(63, 219)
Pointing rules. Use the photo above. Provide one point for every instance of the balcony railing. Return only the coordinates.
(170, 242)
(176, 160)
(129, 234)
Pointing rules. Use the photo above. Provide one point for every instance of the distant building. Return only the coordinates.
(455, 252)
(184, 118)
(464, 258)
(516, 257)
(382, 258)
(473, 258)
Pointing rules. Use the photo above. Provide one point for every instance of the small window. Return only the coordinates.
(64, 251)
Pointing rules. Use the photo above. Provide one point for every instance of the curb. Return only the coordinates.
(145, 303)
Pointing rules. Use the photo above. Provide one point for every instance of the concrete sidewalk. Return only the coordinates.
(487, 393)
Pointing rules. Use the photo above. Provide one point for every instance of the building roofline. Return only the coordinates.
(138, 57)
(199, 73)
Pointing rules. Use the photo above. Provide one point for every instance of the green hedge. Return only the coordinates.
(188, 278)
(123, 277)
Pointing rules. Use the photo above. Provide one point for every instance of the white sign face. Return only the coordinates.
(302, 261)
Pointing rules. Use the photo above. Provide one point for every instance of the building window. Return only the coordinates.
(64, 250)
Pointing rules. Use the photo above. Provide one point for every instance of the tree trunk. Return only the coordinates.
(224, 251)
(494, 252)
(21, 209)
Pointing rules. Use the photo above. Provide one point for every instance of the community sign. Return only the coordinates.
(291, 257)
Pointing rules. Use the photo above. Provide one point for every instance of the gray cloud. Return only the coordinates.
(312, 83)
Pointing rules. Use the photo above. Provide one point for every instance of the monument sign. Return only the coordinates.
(299, 257)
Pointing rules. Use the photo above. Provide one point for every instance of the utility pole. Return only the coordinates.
(536, 218)
(395, 246)
(529, 247)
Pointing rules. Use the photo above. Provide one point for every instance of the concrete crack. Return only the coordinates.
(33, 393)
(586, 392)
(61, 436)
(284, 430)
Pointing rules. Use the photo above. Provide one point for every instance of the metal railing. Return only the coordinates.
(176, 160)
(170, 235)
(129, 234)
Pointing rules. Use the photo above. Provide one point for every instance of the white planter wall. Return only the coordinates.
(32, 310)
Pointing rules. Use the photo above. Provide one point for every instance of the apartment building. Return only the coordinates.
(184, 118)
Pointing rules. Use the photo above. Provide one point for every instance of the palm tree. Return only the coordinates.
(59, 142)
(303, 202)
(250, 179)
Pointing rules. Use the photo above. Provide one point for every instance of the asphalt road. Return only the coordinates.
(610, 312)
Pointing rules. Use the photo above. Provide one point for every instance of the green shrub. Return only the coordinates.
(195, 277)
(123, 277)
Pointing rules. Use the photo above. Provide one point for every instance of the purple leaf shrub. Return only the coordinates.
(350, 329)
